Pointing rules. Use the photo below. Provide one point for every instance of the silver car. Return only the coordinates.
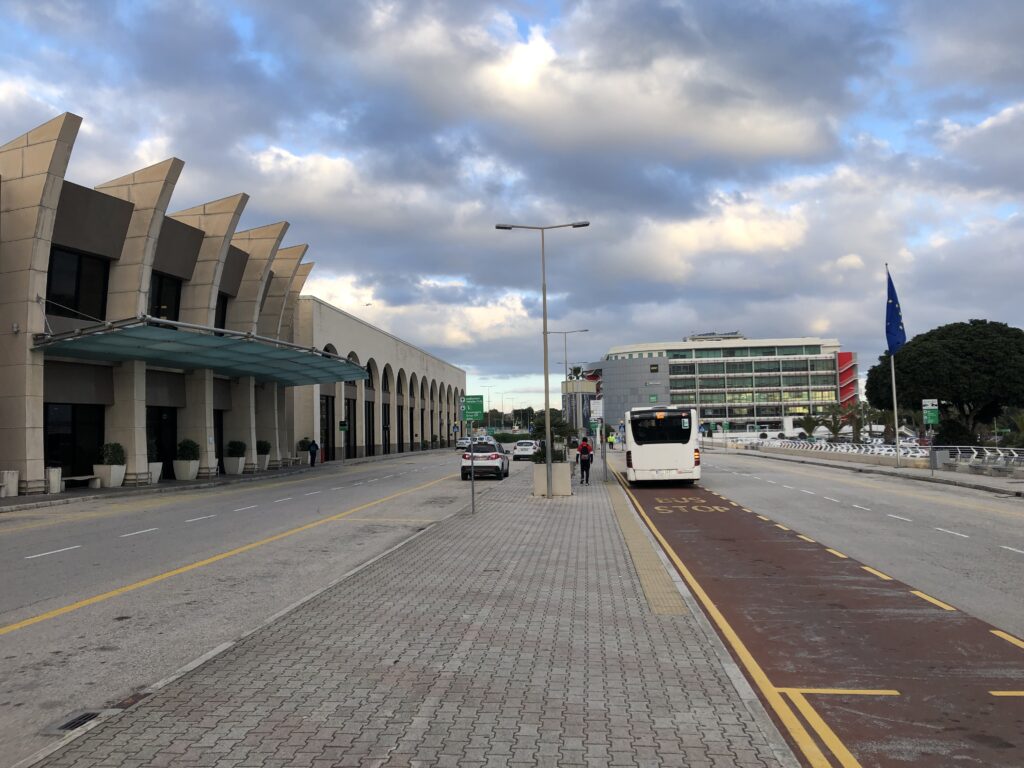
(525, 449)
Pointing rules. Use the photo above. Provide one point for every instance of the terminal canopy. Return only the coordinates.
(171, 344)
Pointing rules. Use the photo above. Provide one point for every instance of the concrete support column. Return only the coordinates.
(195, 420)
(125, 420)
(268, 420)
(306, 403)
(285, 422)
(240, 421)
(359, 426)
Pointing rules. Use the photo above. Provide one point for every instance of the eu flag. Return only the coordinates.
(894, 332)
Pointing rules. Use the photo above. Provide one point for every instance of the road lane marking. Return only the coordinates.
(829, 498)
(858, 506)
(772, 482)
(338, 488)
(1008, 637)
(843, 691)
(838, 554)
(374, 480)
(879, 574)
(776, 700)
(204, 517)
(810, 492)
(242, 509)
(313, 493)
(755, 477)
(731, 502)
(904, 519)
(746, 510)
(286, 498)
(961, 535)
(208, 561)
(826, 734)
(136, 533)
(53, 552)
(1012, 549)
(762, 517)
(780, 525)
(932, 600)
(808, 539)
(386, 477)
(1007, 693)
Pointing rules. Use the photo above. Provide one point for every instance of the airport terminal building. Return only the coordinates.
(736, 384)
(121, 321)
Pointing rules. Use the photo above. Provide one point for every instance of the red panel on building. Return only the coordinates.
(846, 363)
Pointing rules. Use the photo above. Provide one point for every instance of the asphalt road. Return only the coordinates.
(102, 599)
(962, 546)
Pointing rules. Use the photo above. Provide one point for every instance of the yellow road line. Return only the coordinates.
(836, 553)
(746, 510)
(1008, 637)
(879, 574)
(843, 691)
(826, 734)
(808, 539)
(785, 713)
(207, 561)
(780, 525)
(1007, 693)
(762, 517)
(932, 600)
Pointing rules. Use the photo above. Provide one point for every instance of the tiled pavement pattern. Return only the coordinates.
(518, 636)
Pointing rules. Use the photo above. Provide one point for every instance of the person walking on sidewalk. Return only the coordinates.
(584, 455)
(313, 450)
(611, 441)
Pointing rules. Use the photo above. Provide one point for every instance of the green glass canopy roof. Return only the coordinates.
(179, 345)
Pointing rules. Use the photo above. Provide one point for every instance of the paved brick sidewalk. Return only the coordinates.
(518, 636)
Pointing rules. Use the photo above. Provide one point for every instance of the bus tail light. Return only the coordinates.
(696, 457)
(629, 459)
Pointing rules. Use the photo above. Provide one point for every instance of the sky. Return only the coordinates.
(745, 165)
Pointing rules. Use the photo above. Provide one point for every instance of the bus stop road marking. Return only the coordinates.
(932, 600)
(1008, 637)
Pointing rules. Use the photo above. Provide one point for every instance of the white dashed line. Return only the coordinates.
(772, 482)
(1013, 549)
(386, 477)
(961, 535)
(339, 487)
(136, 533)
(204, 517)
(810, 492)
(53, 552)
(374, 480)
(242, 509)
(286, 498)
(858, 506)
(789, 486)
(313, 493)
(359, 483)
(904, 519)
(755, 477)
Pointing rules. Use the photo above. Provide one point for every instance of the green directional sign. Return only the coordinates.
(472, 407)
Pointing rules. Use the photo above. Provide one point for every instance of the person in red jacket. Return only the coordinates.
(585, 455)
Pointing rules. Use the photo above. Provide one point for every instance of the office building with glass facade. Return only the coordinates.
(737, 384)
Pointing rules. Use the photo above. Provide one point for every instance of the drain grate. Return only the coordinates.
(78, 721)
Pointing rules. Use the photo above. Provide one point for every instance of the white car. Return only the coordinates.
(525, 449)
(487, 459)
(462, 443)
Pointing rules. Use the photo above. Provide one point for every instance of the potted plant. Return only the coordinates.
(262, 454)
(303, 450)
(112, 466)
(156, 466)
(186, 461)
(234, 460)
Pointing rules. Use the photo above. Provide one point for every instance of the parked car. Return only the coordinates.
(487, 459)
(462, 443)
(524, 449)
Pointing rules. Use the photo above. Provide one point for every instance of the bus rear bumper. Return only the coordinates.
(650, 475)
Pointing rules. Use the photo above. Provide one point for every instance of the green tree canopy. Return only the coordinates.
(975, 369)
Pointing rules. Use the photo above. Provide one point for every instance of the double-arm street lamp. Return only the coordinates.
(544, 305)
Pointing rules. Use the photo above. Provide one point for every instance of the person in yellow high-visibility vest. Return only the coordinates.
(611, 441)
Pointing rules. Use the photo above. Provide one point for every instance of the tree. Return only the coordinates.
(834, 419)
(975, 369)
(560, 428)
(808, 424)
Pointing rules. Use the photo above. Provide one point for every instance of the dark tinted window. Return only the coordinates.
(164, 296)
(220, 317)
(76, 285)
(648, 429)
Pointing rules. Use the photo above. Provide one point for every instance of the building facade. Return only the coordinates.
(737, 384)
(122, 321)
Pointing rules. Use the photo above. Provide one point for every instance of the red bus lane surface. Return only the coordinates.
(857, 668)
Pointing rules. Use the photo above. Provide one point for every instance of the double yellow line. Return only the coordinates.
(208, 561)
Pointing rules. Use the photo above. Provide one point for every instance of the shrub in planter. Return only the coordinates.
(156, 466)
(234, 461)
(112, 465)
(540, 457)
(262, 454)
(186, 462)
(303, 448)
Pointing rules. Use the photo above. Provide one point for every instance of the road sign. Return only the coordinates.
(930, 408)
(472, 407)
(597, 409)
(343, 426)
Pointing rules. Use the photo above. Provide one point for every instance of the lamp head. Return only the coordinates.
(503, 226)
(578, 224)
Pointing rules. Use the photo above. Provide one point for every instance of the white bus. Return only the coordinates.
(661, 444)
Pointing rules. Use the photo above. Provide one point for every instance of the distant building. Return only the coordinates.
(737, 384)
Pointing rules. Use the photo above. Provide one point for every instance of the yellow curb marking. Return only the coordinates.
(843, 691)
(1007, 693)
(932, 600)
(808, 539)
(780, 525)
(879, 574)
(208, 561)
(836, 553)
(762, 517)
(1008, 637)
(826, 734)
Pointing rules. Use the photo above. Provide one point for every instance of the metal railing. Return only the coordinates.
(974, 458)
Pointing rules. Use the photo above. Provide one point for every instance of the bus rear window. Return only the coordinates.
(672, 428)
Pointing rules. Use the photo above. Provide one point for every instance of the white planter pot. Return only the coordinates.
(110, 475)
(53, 479)
(185, 470)
(560, 481)
(9, 481)
(262, 461)
(156, 471)
(233, 465)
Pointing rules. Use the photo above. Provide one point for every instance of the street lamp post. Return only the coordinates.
(488, 387)
(544, 306)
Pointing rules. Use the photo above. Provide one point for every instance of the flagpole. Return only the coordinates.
(895, 415)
